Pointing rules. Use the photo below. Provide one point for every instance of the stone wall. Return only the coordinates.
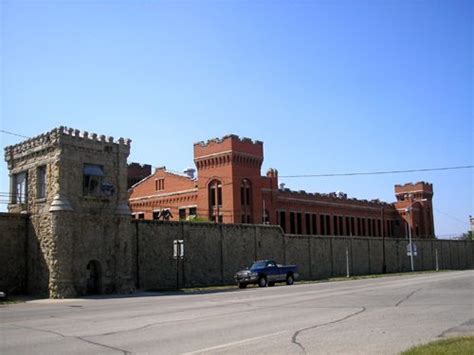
(213, 253)
(13, 234)
(141, 252)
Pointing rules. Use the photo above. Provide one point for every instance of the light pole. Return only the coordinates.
(382, 231)
(408, 210)
(410, 243)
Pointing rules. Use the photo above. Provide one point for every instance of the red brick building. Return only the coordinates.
(229, 188)
(136, 173)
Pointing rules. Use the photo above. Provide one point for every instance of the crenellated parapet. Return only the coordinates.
(64, 135)
(233, 137)
(420, 186)
(332, 197)
(230, 149)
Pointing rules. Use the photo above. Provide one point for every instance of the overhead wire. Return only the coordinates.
(450, 216)
(386, 172)
(13, 134)
(383, 172)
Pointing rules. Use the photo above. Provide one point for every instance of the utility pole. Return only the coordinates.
(347, 262)
(263, 213)
(384, 264)
(409, 210)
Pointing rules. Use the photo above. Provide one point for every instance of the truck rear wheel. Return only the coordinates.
(290, 280)
(242, 285)
(262, 281)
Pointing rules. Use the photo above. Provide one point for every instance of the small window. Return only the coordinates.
(193, 211)
(93, 175)
(41, 182)
(292, 223)
(20, 192)
(159, 184)
(141, 215)
(219, 195)
(282, 220)
(299, 223)
(156, 215)
(182, 214)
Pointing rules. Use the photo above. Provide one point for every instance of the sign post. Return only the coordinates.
(178, 254)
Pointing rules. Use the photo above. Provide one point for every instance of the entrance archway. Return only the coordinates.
(94, 286)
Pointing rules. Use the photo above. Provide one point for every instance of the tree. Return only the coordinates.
(467, 236)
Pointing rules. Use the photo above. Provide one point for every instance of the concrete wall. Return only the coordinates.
(13, 237)
(213, 253)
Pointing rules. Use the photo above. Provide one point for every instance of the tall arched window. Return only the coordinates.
(246, 201)
(215, 201)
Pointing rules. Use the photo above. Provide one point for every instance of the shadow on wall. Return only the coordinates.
(37, 271)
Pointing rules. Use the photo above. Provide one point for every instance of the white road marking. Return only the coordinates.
(240, 342)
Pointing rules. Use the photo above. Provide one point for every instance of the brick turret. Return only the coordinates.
(414, 203)
(229, 177)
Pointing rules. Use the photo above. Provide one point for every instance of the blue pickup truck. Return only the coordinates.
(266, 272)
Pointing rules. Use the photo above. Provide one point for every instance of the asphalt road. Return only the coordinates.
(383, 315)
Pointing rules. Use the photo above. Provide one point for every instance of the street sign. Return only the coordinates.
(415, 253)
(178, 248)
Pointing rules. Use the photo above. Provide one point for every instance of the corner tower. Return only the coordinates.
(415, 206)
(229, 175)
(73, 186)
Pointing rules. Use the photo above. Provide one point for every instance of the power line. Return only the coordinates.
(387, 172)
(322, 175)
(380, 172)
(452, 217)
(13, 134)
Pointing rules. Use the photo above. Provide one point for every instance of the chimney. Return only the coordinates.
(190, 172)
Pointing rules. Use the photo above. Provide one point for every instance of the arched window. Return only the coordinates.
(215, 201)
(246, 201)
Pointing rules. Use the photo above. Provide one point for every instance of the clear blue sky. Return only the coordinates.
(329, 86)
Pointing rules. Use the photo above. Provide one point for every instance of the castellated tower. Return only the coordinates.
(229, 179)
(415, 206)
(73, 186)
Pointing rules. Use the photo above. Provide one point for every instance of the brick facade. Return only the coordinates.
(136, 173)
(230, 189)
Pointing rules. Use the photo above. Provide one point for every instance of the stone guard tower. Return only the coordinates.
(73, 186)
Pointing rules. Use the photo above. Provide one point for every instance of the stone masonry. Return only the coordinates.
(80, 224)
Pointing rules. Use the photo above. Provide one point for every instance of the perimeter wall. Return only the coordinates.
(213, 253)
